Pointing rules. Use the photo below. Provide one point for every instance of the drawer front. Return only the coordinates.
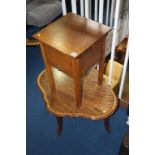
(89, 58)
(59, 60)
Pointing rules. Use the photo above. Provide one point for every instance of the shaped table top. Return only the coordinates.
(98, 101)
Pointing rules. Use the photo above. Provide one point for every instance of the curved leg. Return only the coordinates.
(59, 125)
(106, 124)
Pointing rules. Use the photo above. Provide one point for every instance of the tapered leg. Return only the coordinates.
(78, 91)
(101, 70)
(106, 124)
(59, 125)
(78, 82)
(101, 62)
(49, 72)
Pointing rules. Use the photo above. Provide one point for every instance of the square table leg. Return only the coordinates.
(78, 82)
(101, 61)
(49, 72)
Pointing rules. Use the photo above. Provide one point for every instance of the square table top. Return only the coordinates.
(72, 34)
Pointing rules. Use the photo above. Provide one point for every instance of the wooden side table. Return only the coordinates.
(73, 44)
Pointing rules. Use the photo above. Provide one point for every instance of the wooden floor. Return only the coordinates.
(98, 102)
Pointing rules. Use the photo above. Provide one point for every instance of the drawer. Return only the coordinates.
(59, 60)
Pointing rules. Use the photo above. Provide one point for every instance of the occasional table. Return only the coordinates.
(73, 44)
(98, 101)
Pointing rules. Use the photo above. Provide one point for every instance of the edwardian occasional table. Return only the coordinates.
(73, 44)
(98, 101)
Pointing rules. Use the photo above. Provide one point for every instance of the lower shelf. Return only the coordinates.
(98, 101)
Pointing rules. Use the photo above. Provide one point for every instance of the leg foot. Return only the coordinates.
(59, 125)
(106, 124)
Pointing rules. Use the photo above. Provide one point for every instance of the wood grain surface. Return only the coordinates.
(72, 33)
(98, 101)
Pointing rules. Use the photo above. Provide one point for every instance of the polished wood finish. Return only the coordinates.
(101, 62)
(98, 101)
(49, 73)
(73, 44)
(72, 33)
(78, 83)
